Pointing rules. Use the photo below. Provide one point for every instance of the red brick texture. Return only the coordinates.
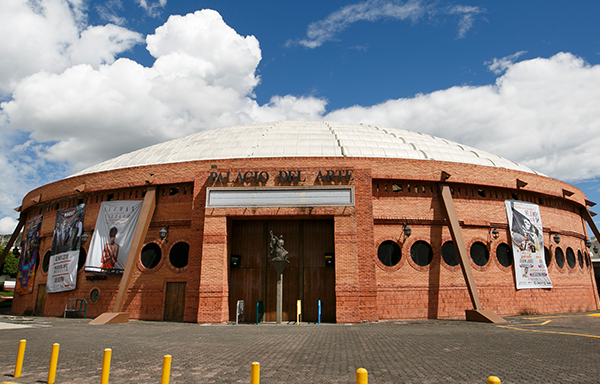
(387, 194)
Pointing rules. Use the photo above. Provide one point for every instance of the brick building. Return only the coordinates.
(365, 213)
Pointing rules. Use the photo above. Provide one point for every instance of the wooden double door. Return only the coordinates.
(306, 278)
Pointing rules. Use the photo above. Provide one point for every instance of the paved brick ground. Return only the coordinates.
(564, 350)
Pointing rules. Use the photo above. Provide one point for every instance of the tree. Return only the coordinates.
(10, 265)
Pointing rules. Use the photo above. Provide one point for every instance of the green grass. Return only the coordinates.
(4, 293)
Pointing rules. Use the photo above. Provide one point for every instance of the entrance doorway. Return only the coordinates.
(174, 302)
(306, 278)
(40, 301)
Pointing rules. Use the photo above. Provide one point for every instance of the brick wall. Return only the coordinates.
(366, 290)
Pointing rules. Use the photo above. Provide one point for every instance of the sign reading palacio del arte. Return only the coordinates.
(290, 176)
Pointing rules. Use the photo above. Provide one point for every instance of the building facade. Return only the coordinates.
(361, 213)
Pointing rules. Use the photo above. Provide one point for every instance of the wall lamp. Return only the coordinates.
(556, 238)
(495, 234)
(588, 243)
(84, 237)
(407, 231)
(163, 232)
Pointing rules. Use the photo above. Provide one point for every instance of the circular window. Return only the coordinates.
(82, 258)
(151, 255)
(580, 259)
(95, 295)
(547, 256)
(479, 254)
(179, 255)
(421, 253)
(559, 256)
(389, 253)
(570, 258)
(46, 262)
(504, 255)
(449, 254)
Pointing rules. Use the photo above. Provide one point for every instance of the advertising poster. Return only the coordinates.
(68, 229)
(62, 272)
(112, 236)
(526, 232)
(29, 257)
(66, 241)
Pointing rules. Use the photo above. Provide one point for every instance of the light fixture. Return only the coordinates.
(163, 232)
(495, 234)
(595, 249)
(588, 243)
(556, 238)
(407, 231)
(84, 237)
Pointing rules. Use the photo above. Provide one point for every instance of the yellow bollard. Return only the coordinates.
(20, 357)
(255, 373)
(53, 363)
(166, 370)
(362, 376)
(106, 366)
(493, 380)
(298, 311)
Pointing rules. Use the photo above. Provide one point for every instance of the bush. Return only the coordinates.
(10, 265)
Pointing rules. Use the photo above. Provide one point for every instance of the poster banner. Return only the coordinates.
(526, 232)
(112, 236)
(62, 272)
(29, 257)
(68, 229)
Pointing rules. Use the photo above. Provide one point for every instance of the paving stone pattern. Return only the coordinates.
(424, 351)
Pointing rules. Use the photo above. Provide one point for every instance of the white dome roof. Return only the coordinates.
(305, 139)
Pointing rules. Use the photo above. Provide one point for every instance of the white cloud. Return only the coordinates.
(321, 31)
(203, 77)
(51, 35)
(541, 112)
(152, 8)
(502, 64)
(7, 225)
(467, 17)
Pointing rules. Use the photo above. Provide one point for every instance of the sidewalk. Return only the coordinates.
(543, 349)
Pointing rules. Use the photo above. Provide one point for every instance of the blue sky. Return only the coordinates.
(518, 79)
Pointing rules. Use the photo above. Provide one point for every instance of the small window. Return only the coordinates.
(174, 191)
(396, 187)
(46, 262)
(481, 193)
(570, 258)
(82, 258)
(95, 295)
(580, 259)
(547, 256)
(179, 255)
(389, 253)
(479, 254)
(559, 256)
(421, 253)
(449, 254)
(151, 255)
(504, 255)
